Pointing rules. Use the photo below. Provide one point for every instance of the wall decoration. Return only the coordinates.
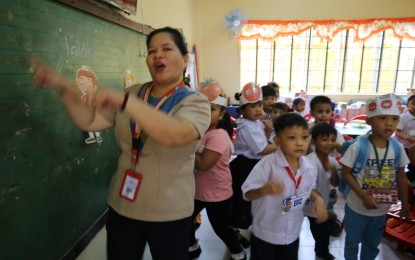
(129, 79)
(87, 82)
(327, 29)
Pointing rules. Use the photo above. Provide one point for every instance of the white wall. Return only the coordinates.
(203, 22)
(219, 56)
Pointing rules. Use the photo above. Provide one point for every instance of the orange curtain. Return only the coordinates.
(327, 29)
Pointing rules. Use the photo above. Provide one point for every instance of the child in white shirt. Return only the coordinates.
(323, 137)
(251, 144)
(279, 186)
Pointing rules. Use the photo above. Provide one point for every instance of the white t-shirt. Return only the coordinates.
(250, 138)
(268, 222)
(323, 180)
(366, 176)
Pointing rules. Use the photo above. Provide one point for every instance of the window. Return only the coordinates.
(381, 64)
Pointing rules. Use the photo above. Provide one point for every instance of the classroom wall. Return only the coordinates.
(203, 23)
(161, 13)
(219, 52)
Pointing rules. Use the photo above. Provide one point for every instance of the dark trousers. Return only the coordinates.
(218, 214)
(241, 216)
(321, 235)
(127, 238)
(261, 250)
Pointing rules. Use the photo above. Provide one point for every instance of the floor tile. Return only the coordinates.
(214, 249)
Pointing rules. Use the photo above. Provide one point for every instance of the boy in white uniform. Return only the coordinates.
(323, 137)
(279, 187)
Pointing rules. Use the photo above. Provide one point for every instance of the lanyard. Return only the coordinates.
(137, 128)
(292, 177)
(380, 166)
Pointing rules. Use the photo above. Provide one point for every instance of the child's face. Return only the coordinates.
(277, 113)
(384, 125)
(322, 113)
(300, 107)
(267, 103)
(216, 114)
(252, 111)
(293, 141)
(325, 144)
(411, 106)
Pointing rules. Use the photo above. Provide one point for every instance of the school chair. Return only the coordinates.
(401, 230)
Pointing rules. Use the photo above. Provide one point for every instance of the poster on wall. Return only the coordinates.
(128, 6)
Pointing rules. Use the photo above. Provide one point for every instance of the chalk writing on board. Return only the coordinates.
(75, 48)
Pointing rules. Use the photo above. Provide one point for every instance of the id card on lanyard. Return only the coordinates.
(298, 201)
(132, 179)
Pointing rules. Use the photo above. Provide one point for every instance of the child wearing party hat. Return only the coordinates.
(213, 176)
(379, 180)
(251, 144)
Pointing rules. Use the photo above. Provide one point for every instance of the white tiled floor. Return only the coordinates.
(214, 249)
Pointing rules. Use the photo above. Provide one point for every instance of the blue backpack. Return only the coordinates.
(361, 158)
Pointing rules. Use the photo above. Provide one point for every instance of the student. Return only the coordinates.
(299, 105)
(365, 215)
(405, 132)
(150, 199)
(251, 144)
(276, 87)
(268, 101)
(279, 186)
(323, 137)
(278, 110)
(213, 178)
(321, 109)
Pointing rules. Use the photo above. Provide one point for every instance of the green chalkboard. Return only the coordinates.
(53, 186)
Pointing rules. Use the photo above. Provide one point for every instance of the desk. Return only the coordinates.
(352, 130)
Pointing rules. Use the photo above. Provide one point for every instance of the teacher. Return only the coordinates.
(157, 125)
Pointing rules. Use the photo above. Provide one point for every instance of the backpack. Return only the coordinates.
(361, 158)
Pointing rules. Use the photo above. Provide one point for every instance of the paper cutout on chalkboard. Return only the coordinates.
(87, 82)
(129, 79)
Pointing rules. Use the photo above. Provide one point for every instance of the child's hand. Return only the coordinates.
(273, 188)
(268, 127)
(369, 201)
(268, 124)
(319, 207)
